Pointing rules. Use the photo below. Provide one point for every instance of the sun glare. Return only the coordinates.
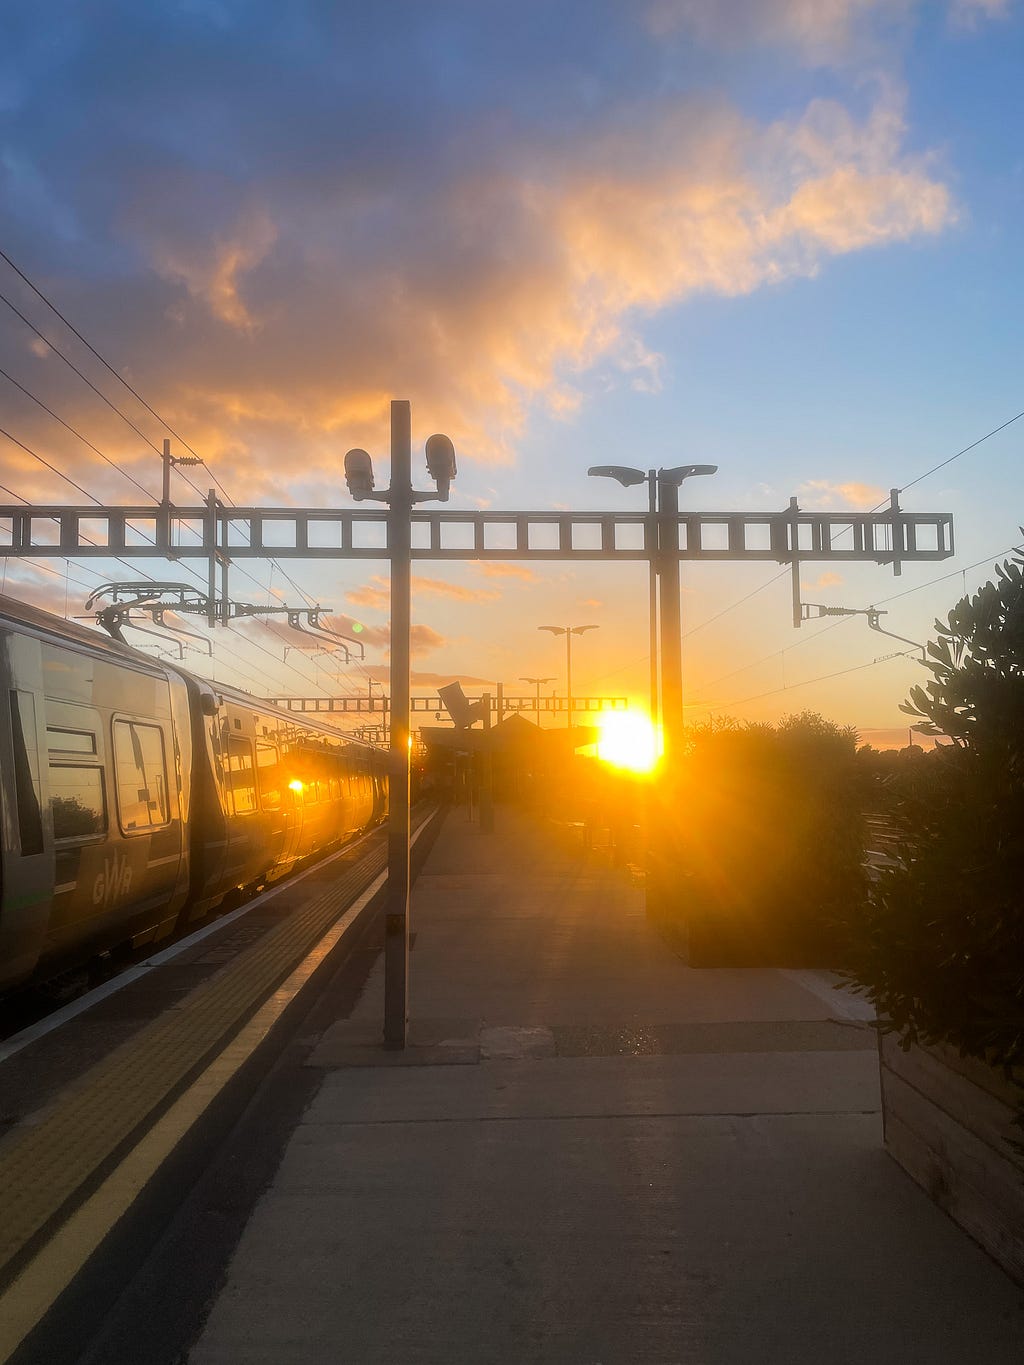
(627, 740)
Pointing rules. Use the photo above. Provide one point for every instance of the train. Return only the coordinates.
(136, 798)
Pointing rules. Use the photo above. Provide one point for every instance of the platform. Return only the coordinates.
(592, 1153)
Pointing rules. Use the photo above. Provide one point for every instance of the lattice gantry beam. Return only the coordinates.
(365, 706)
(240, 533)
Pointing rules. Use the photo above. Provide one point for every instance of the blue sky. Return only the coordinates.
(778, 236)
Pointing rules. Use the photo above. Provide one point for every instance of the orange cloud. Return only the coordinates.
(377, 593)
(439, 588)
(509, 279)
(493, 568)
(819, 493)
(214, 273)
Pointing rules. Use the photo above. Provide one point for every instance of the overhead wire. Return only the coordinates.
(114, 464)
(942, 464)
(878, 506)
(806, 682)
(133, 568)
(106, 364)
(134, 392)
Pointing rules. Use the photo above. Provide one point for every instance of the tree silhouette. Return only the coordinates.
(939, 945)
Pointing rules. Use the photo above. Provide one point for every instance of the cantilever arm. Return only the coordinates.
(873, 616)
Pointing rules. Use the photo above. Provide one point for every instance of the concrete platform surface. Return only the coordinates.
(592, 1154)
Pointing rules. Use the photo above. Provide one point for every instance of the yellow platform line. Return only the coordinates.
(45, 1164)
(35, 1290)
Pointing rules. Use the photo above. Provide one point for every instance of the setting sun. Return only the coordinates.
(627, 740)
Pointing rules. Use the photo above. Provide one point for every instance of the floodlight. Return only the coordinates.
(626, 476)
(359, 474)
(441, 463)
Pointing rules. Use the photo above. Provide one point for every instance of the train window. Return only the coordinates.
(70, 741)
(240, 776)
(141, 772)
(269, 775)
(26, 772)
(77, 801)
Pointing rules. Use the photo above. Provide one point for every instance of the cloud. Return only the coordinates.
(818, 27)
(493, 568)
(819, 493)
(439, 588)
(969, 14)
(825, 580)
(442, 679)
(424, 640)
(377, 593)
(821, 31)
(212, 272)
(291, 248)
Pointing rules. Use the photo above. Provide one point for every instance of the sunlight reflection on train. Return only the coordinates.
(627, 740)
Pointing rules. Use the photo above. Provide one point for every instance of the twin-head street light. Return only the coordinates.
(538, 683)
(440, 454)
(400, 498)
(663, 549)
(568, 632)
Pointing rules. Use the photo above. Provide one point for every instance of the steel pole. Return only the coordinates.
(396, 923)
(671, 641)
(652, 547)
(568, 676)
(486, 772)
(664, 798)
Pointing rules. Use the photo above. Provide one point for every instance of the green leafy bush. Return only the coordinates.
(767, 841)
(938, 945)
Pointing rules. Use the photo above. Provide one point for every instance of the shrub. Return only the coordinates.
(938, 945)
(768, 841)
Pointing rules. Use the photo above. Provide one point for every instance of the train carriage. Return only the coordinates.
(134, 797)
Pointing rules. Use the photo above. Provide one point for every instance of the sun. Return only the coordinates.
(627, 740)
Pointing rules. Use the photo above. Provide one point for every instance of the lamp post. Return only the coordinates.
(568, 632)
(663, 550)
(401, 499)
(537, 682)
(663, 810)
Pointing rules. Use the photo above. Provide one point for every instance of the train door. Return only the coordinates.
(26, 874)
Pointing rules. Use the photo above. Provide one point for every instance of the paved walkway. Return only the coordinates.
(596, 1155)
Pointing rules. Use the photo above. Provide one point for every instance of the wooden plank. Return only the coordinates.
(950, 1136)
(974, 1095)
(979, 1221)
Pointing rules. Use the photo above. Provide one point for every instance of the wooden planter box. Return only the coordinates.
(948, 1121)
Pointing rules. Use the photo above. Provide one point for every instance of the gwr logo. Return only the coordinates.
(114, 882)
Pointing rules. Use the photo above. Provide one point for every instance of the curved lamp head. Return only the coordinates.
(626, 476)
(685, 471)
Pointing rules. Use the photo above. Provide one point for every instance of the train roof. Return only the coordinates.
(64, 631)
(48, 624)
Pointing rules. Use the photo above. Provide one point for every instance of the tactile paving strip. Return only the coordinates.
(44, 1166)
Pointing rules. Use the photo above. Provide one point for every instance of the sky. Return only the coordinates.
(779, 236)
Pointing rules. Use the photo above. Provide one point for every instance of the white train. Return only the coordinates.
(134, 796)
